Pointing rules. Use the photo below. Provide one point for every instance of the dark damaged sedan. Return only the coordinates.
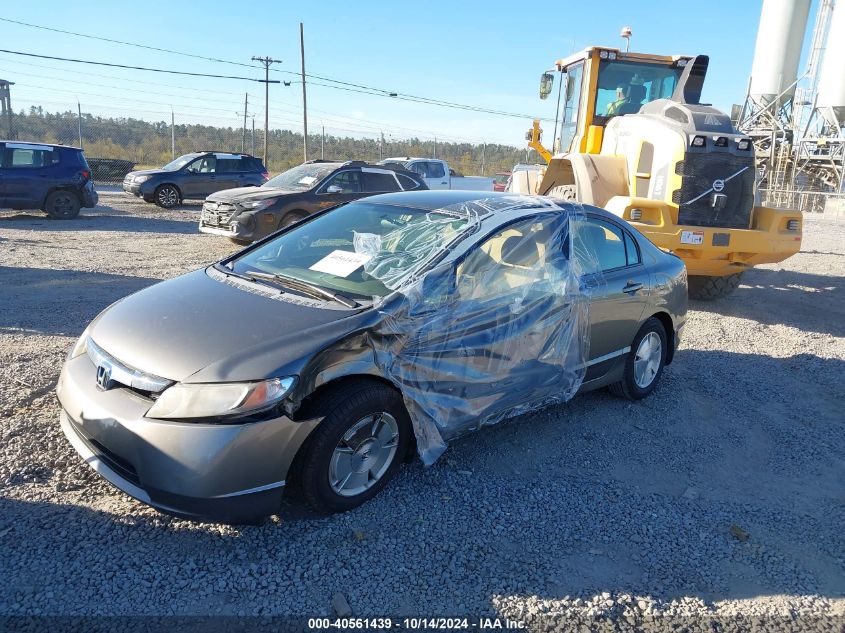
(247, 214)
(316, 360)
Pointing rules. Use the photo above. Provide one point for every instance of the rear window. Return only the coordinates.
(380, 183)
(228, 165)
(407, 182)
(22, 156)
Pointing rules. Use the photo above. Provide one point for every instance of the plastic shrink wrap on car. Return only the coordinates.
(501, 331)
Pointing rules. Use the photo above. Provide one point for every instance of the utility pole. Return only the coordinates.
(253, 135)
(246, 106)
(483, 151)
(266, 81)
(435, 147)
(172, 135)
(381, 145)
(304, 98)
(323, 141)
(79, 122)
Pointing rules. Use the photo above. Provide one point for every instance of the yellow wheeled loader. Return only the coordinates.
(632, 137)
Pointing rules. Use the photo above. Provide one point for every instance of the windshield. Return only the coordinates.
(302, 177)
(180, 162)
(362, 249)
(623, 86)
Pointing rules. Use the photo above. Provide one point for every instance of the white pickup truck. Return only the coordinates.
(438, 175)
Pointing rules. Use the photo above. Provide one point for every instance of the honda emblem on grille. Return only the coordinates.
(104, 381)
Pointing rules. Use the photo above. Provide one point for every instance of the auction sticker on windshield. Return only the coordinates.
(341, 263)
(692, 237)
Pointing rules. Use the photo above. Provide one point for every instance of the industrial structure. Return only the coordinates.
(796, 116)
(7, 129)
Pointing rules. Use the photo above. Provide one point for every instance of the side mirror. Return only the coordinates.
(334, 189)
(547, 80)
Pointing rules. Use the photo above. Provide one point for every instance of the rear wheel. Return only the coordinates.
(709, 288)
(167, 196)
(356, 449)
(645, 363)
(62, 205)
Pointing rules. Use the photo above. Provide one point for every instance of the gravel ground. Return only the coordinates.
(723, 494)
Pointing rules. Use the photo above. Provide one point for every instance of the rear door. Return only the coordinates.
(2, 175)
(30, 172)
(230, 172)
(436, 175)
(618, 284)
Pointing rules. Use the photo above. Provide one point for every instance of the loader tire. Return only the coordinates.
(568, 193)
(709, 288)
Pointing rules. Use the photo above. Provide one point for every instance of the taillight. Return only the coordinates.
(85, 174)
(265, 175)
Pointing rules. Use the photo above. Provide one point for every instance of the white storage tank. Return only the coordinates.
(778, 49)
(831, 90)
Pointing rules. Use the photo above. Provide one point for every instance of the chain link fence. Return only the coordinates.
(116, 145)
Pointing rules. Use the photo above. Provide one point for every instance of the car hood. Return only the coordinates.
(243, 194)
(196, 328)
(149, 172)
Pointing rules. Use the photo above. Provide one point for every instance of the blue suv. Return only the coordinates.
(53, 178)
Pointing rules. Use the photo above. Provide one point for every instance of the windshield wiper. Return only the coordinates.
(304, 286)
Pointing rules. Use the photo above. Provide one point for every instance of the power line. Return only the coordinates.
(154, 70)
(349, 86)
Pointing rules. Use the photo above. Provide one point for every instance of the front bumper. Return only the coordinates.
(222, 472)
(223, 219)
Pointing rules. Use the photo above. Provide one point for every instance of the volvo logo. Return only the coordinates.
(104, 377)
(718, 185)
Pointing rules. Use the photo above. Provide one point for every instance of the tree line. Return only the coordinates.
(150, 144)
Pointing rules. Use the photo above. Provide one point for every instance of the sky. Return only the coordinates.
(488, 54)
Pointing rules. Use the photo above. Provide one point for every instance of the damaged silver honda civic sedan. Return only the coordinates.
(315, 361)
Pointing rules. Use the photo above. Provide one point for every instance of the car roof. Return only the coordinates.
(41, 144)
(432, 199)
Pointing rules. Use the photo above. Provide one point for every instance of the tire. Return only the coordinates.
(710, 288)
(167, 196)
(629, 387)
(235, 240)
(62, 205)
(347, 407)
(569, 193)
(292, 218)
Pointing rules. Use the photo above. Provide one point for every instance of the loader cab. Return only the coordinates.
(597, 84)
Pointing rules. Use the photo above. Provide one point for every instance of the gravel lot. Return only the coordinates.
(722, 494)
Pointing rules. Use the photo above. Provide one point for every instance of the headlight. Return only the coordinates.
(80, 347)
(257, 204)
(142, 178)
(219, 399)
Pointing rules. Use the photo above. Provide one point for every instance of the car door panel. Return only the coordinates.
(618, 293)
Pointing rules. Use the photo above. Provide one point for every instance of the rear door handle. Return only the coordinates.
(632, 287)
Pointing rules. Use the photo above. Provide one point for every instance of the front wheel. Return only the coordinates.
(710, 288)
(167, 196)
(356, 449)
(291, 218)
(62, 205)
(645, 362)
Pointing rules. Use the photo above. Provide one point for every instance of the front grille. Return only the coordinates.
(700, 172)
(217, 213)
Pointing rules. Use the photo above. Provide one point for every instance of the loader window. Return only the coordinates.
(570, 107)
(623, 87)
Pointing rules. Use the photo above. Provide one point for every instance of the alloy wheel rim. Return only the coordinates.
(364, 454)
(647, 360)
(63, 205)
(167, 196)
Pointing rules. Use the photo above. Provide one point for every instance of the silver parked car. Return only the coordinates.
(325, 354)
